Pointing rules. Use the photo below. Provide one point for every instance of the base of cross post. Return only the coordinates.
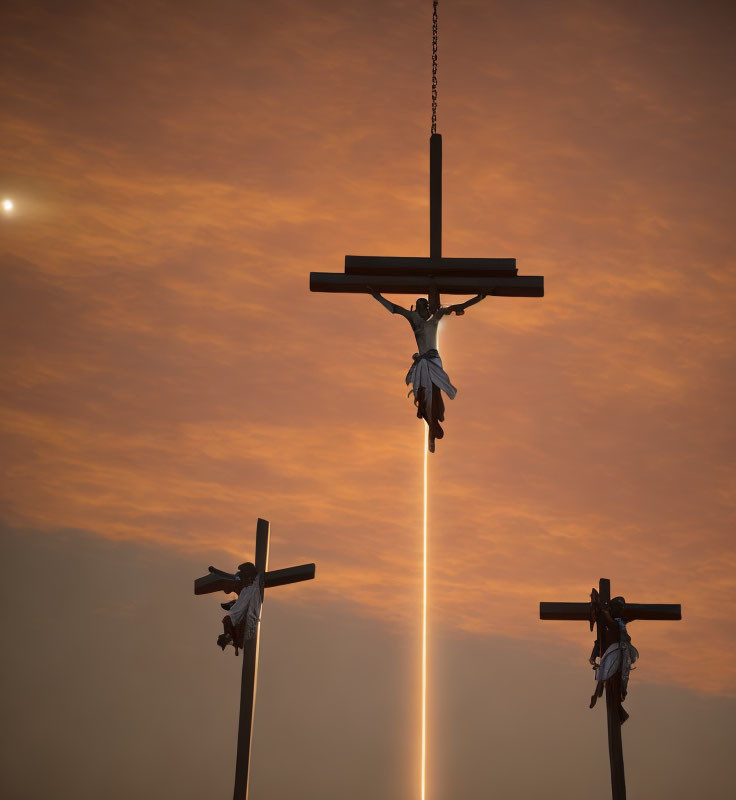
(245, 723)
(615, 745)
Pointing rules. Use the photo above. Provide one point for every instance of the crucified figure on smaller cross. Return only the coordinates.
(426, 374)
(613, 653)
(241, 626)
(244, 613)
(613, 647)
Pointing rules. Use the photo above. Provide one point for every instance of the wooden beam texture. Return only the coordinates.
(435, 195)
(632, 611)
(525, 286)
(430, 267)
(282, 577)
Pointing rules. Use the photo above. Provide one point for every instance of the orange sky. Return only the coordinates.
(179, 168)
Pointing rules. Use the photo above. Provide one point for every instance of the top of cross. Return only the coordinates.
(416, 276)
(218, 580)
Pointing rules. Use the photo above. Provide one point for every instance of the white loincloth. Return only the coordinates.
(618, 654)
(425, 372)
(248, 607)
(610, 663)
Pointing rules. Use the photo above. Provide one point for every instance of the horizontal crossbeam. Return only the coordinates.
(216, 581)
(280, 577)
(465, 267)
(525, 286)
(220, 581)
(632, 611)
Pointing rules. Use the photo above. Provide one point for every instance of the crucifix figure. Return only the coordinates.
(426, 375)
(431, 276)
(612, 657)
(244, 613)
(613, 654)
(241, 628)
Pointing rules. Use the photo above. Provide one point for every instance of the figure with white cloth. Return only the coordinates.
(243, 614)
(426, 374)
(614, 650)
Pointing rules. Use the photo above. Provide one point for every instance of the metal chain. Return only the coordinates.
(434, 69)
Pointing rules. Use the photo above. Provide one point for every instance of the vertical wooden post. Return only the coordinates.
(435, 196)
(249, 676)
(615, 745)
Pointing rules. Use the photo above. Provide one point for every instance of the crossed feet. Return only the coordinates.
(435, 432)
(230, 635)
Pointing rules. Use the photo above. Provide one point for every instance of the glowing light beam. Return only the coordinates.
(424, 624)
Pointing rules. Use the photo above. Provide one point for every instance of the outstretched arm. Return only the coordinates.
(387, 304)
(459, 308)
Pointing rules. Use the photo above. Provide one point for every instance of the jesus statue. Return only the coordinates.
(426, 375)
(614, 651)
(243, 614)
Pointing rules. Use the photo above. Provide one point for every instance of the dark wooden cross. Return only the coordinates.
(631, 611)
(217, 581)
(417, 276)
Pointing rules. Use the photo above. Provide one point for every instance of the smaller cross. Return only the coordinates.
(628, 612)
(217, 581)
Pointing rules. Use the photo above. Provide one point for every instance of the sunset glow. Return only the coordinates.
(170, 178)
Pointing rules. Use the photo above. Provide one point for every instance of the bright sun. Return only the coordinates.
(7, 205)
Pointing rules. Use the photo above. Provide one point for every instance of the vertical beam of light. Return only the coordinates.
(424, 623)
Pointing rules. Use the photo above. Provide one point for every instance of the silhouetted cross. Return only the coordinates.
(217, 581)
(631, 611)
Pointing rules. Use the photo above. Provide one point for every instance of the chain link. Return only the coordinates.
(433, 129)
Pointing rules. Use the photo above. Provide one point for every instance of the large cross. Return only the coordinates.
(416, 276)
(217, 581)
(631, 611)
